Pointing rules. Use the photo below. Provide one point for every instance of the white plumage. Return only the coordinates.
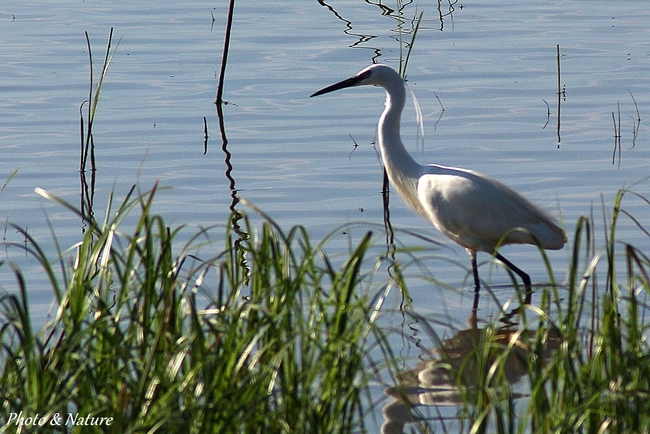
(470, 208)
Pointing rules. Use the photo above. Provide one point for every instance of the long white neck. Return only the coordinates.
(403, 170)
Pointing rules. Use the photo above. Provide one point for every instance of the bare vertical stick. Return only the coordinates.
(219, 103)
(205, 135)
(87, 146)
(637, 121)
(410, 46)
(107, 61)
(86, 140)
(617, 136)
(548, 113)
(224, 59)
(559, 84)
(559, 95)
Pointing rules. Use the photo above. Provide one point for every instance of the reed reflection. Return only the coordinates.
(405, 24)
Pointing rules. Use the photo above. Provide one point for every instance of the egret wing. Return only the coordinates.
(476, 211)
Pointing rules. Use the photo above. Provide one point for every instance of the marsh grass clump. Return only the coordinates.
(276, 344)
(599, 379)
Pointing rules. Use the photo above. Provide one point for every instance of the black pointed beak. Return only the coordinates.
(348, 82)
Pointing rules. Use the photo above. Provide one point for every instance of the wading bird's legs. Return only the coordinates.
(525, 277)
(477, 287)
(477, 282)
(512, 267)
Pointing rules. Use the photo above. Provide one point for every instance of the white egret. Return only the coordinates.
(472, 209)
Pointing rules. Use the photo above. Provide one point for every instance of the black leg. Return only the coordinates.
(525, 277)
(475, 305)
(477, 282)
(477, 286)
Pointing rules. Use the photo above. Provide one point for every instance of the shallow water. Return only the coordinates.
(491, 66)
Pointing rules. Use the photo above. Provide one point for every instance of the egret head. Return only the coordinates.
(378, 75)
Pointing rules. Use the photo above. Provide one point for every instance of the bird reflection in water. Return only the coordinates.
(461, 363)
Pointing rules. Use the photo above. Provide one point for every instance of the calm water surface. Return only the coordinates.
(492, 66)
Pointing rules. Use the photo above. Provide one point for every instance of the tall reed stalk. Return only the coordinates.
(87, 151)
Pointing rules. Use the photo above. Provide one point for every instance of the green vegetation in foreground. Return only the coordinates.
(280, 347)
(282, 342)
(596, 379)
